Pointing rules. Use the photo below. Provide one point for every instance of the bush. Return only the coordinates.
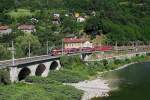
(127, 60)
(4, 53)
(94, 67)
(68, 61)
(66, 76)
(4, 76)
(105, 62)
(117, 61)
(40, 80)
(55, 90)
(62, 92)
(22, 91)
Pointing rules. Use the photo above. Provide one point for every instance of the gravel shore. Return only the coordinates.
(92, 88)
(97, 87)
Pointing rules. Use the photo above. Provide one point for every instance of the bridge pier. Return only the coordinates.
(13, 74)
(45, 73)
(32, 69)
(85, 56)
(59, 65)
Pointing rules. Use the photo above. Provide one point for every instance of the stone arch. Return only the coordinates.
(40, 69)
(23, 73)
(53, 65)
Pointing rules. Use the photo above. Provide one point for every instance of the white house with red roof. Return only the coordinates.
(76, 43)
(73, 42)
(56, 19)
(27, 28)
(5, 29)
(87, 44)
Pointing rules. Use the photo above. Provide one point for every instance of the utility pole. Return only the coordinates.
(132, 43)
(148, 45)
(13, 53)
(29, 49)
(116, 46)
(81, 48)
(137, 43)
(62, 47)
(47, 47)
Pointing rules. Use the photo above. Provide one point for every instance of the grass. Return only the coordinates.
(19, 13)
(23, 92)
(39, 89)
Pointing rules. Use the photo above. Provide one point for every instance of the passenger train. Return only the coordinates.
(59, 51)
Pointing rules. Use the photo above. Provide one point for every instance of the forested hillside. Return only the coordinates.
(118, 20)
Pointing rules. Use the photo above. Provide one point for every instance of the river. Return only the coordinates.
(130, 83)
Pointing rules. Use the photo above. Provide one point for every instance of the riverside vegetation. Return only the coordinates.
(51, 87)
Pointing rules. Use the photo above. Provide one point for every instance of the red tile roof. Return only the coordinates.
(26, 27)
(73, 40)
(5, 27)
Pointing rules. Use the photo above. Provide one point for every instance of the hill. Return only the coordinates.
(118, 20)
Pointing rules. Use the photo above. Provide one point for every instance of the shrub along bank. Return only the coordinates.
(4, 76)
(51, 87)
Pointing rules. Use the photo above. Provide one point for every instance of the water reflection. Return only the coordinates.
(130, 83)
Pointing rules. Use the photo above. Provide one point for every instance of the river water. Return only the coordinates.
(130, 83)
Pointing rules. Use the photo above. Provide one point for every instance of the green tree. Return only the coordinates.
(93, 26)
(22, 45)
(4, 53)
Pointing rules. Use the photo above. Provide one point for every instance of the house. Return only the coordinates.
(34, 20)
(87, 44)
(4, 29)
(76, 14)
(80, 19)
(27, 28)
(93, 13)
(56, 19)
(66, 15)
(73, 42)
(57, 15)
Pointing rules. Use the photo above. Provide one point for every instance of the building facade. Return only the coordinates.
(27, 28)
(5, 30)
(73, 43)
(87, 44)
(76, 43)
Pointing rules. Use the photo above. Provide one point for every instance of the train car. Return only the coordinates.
(107, 48)
(87, 49)
(103, 48)
(71, 50)
(56, 52)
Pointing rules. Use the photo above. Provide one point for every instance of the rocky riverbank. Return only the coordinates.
(92, 88)
(95, 88)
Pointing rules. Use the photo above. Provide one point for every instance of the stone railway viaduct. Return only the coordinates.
(34, 66)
